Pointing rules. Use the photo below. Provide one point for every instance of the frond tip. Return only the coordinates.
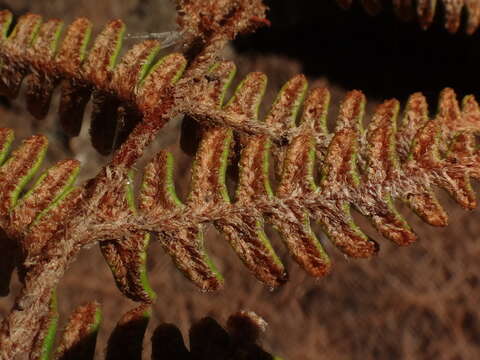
(367, 169)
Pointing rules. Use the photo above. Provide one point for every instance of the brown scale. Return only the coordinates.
(15, 50)
(185, 245)
(245, 232)
(383, 167)
(126, 260)
(298, 178)
(128, 254)
(415, 117)
(43, 231)
(44, 193)
(461, 144)
(207, 190)
(19, 166)
(334, 215)
(338, 174)
(425, 157)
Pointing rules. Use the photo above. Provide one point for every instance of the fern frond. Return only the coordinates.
(364, 168)
(43, 346)
(367, 169)
(21, 215)
(429, 153)
(425, 10)
(121, 93)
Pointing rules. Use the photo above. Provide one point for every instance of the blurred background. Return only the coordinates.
(419, 302)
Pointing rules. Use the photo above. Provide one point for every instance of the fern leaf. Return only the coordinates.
(16, 47)
(19, 169)
(43, 230)
(26, 212)
(43, 346)
(126, 340)
(69, 60)
(48, 189)
(184, 244)
(366, 169)
(130, 254)
(246, 233)
(123, 94)
(98, 70)
(382, 165)
(6, 140)
(363, 168)
(127, 261)
(40, 84)
(80, 336)
(389, 171)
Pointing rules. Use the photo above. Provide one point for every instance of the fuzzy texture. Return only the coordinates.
(135, 87)
(366, 169)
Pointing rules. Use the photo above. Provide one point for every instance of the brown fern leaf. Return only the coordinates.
(126, 340)
(118, 91)
(43, 346)
(361, 168)
(36, 48)
(63, 227)
(426, 9)
(80, 336)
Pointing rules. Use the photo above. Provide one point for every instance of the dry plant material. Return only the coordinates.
(367, 169)
(425, 10)
(80, 335)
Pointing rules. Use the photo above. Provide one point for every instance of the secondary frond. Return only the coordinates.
(425, 11)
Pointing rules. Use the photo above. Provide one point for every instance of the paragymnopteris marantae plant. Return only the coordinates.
(321, 173)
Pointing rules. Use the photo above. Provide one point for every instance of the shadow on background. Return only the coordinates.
(9, 254)
(208, 340)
